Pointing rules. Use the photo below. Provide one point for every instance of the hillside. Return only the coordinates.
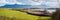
(7, 12)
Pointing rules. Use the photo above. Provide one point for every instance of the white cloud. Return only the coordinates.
(17, 2)
(52, 4)
(10, 1)
(14, 2)
(42, 1)
(36, 3)
(29, 2)
(2, 2)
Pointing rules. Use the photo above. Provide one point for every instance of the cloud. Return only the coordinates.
(52, 4)
(36, 3)
(19, 2)
(40, 3)
(2, 2)
(50, 0)
(43, 1)
(10, 1)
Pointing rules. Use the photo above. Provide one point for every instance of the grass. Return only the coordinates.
(19, 15)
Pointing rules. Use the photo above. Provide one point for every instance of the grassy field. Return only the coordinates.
(7, 12)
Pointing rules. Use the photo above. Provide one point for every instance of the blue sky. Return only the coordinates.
(38, 3)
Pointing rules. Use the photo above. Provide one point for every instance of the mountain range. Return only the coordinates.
(15, 6)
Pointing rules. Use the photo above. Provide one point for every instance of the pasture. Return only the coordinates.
(9, 14)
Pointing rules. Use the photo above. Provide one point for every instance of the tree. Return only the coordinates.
(56, 15)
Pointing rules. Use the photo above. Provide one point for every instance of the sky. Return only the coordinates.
(33, 3)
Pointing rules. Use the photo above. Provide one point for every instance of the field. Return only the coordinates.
(17, 15)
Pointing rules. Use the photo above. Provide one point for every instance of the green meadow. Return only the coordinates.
(7, 12)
